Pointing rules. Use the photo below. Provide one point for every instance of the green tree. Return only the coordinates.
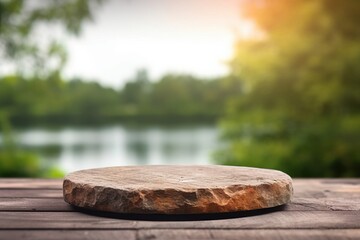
(135, 92)
(88, 100)
(40, 63)
(19, 22)
(299, 110)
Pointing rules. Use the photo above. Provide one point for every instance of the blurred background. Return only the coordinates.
(263, 83)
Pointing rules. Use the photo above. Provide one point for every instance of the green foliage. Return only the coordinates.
(299, 110)
(58, 101)
(292, 99)
(17, 163)
(34, 96)
(176, 96)
(20, 19)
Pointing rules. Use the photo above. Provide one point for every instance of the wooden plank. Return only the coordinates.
(303, 187)
(59, 205)
(272, 220)
(309, 195)
(31, 193)
(301, 191)
(11, 201)
(328, 194)
(324, 204)
(30, 183)
(34, 204)
(299, 184)
(249, 234)
(353, 181)
(65, 234)
(181, 234)
(322, 188)
(319, 194)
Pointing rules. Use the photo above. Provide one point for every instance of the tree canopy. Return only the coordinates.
(299, 110)
(291, 101)
(168, 99)
(39, 62)
(19, 20)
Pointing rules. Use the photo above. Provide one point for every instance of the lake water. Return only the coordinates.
(75, 148)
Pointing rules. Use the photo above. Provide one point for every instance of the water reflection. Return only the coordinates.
(74, 148)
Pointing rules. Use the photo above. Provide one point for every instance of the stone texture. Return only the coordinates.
(177, 189)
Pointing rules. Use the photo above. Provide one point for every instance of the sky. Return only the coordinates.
(163, 36)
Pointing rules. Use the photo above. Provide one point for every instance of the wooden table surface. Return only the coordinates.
(320, 209)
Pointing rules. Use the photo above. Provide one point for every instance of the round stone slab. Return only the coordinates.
(177, 189)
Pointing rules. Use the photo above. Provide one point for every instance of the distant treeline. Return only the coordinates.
(170, 99)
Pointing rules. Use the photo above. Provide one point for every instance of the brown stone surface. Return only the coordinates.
(177, 189)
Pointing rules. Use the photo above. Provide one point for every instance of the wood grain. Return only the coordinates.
(59, 205)
(67, 234)
(34, 204)
(328, 234)
(31, 193)
(25, 183)
(315, 194)
(249, 234)
(320, 209)
(274, 220)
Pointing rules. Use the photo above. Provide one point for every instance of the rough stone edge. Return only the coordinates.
(174, 202)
